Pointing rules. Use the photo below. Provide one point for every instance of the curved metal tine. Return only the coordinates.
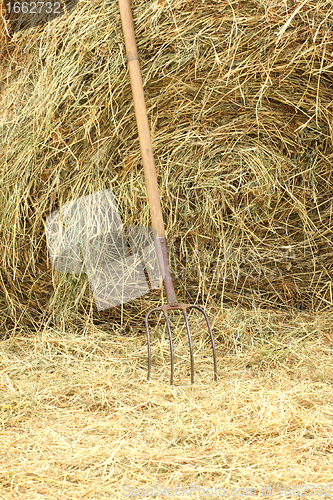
(148, 343)
(148, 339)
(190, 344)
(211, 336)
(171, 345)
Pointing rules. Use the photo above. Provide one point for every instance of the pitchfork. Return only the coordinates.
(153, 197)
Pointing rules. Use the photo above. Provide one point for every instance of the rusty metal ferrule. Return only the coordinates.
(163, 262)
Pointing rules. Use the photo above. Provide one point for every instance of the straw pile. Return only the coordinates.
(239, 96)
(78, 419)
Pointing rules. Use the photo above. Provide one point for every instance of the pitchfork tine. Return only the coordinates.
(148, 343)
(190, 344)
(171, 345)
(170, 341)
(211, 336)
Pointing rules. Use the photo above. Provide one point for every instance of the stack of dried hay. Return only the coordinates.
(239, 96)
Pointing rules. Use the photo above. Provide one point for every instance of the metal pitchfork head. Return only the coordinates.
(173, 304)
(152, 190)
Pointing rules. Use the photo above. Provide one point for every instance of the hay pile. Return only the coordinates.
(239, 96)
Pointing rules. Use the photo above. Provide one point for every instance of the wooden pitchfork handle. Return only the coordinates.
(146, 149)
(141, 118)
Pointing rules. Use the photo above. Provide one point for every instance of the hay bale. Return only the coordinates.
(239, 101)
